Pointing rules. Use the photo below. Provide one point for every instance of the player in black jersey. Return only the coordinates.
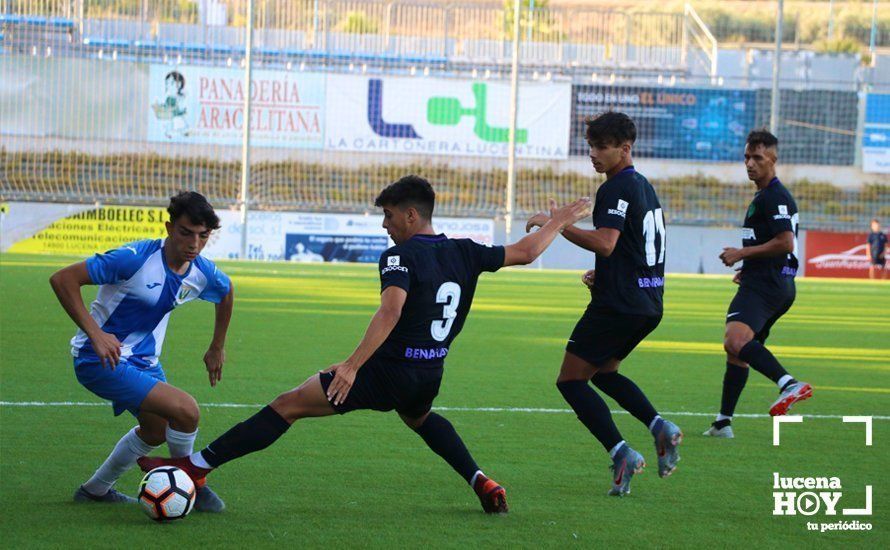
(626, 290)
(427, 286)
(766, 285)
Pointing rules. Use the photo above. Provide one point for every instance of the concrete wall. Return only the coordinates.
(690, 249)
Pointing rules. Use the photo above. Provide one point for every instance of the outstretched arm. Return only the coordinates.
(66, 284)
(216, 354)
(527, 249)
(392, 299)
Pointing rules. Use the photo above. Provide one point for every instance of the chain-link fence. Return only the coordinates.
(126, 102)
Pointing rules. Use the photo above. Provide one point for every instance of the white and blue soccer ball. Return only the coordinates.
(166, 493)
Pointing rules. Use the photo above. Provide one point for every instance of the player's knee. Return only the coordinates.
(187, 414)
(733, 344)
(290, 405)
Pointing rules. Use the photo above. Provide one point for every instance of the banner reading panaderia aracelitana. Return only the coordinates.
(189, 104)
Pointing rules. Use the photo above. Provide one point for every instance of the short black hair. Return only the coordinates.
(178, 78)
(409, 191)
(195, 206)
(610, 128)
(762, 136)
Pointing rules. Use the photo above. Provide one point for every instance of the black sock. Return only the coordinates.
(733, 383)
(631, 398)
(592, 411)
(254, 434)
(762, 360)
(440, 436)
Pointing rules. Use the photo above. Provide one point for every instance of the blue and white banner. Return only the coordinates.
(876, 134)
(206, 105)
(678, 123)
(452, 117)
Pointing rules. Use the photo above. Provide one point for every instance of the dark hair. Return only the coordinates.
(409, 191)
(178, 78)
(610, 128)
(763, 137)
(195, 206)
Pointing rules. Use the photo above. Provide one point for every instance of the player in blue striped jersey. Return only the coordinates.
(117, 349)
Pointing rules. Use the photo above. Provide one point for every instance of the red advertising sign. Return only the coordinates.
(837, 255)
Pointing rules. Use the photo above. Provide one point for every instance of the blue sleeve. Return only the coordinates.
(395, 270)
(218, 283)
(121, 263)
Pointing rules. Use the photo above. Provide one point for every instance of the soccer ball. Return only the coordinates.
(166, 493)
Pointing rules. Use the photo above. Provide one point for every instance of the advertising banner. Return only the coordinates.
(837, 254)
(436, 116)
(94, 230)
(876, 135)
(678, 123)
(206, 105)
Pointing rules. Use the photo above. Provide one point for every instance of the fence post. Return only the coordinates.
(514, 108)
(777, 63)
(245, 142)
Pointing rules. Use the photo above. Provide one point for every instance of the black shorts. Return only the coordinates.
(603, 334)
(384, 386)
(759, 310)
(880, 262)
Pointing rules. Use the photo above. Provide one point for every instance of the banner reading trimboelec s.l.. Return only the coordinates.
(189, 104)
(95, 230)
(437, 116)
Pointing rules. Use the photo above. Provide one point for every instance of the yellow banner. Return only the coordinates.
(96, 230)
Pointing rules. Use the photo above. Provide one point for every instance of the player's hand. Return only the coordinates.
(107, 347)
(737, 278)
(538, 220)
(731, 256)
(588, 278)
(570, 213)
(214, 359)
(344, 377)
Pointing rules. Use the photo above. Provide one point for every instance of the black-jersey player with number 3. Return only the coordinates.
(626, 302)
(427, 286)
(766, 285)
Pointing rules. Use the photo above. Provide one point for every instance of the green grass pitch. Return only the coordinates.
(365, 480)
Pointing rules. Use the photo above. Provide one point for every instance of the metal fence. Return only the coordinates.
(84, 112)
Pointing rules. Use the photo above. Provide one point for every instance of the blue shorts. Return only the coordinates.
(126, 386)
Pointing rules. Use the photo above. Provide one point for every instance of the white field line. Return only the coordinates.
(446, 409)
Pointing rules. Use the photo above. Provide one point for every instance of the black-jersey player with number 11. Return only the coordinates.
(427, 284)
(626, 290)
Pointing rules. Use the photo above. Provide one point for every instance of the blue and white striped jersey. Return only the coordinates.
(138, 291)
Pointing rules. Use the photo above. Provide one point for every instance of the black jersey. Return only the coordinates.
(440, 277)
(631, 279)
(772, 211)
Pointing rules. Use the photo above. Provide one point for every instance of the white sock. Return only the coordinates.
(654, 420)
(198, 460)
(180, 443)
(723, 417)
(784, 380)
(616, 448)
(475, 476)
(122, 458)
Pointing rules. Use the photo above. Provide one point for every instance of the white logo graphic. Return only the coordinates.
(620, 209)
(808, 496)
(748, 234)
(855, 258)
(393, 260)
(783, 209)
(732, 314)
